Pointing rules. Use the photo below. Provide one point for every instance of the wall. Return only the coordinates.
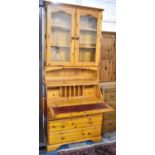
(109, 6)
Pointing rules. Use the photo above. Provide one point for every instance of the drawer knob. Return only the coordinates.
(62, 138)
(83, 133)
(53, 126)
(89, 133)
(63, 126)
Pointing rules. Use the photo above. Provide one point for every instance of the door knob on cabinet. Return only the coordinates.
(77, 38)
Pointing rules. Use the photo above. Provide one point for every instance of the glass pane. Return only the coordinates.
(60, 36)
(86, 55)
(88, 32)
(60, 54)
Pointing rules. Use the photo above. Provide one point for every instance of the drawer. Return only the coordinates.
(110, 96)
(111, 103)
(74, 123)
(74, 135)
(109, 115)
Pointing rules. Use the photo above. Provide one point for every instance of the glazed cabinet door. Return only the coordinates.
(60, 30)
(88, 33)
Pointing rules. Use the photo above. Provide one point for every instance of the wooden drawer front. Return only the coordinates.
(74, 135)
(109, 115)
(110, 96)
(68, 124)
(111, 103)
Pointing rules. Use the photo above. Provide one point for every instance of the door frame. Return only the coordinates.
(98, 15)
(71, 11)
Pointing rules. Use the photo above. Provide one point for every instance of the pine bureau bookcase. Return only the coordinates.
(72, 53)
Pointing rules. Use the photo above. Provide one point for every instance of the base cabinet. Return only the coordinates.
(73, 130)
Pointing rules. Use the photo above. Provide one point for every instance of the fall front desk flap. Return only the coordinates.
(78, 110)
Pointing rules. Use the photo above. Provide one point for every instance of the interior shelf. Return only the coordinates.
(67, 46)
(88, 29)
(61, 27)
(87, 47)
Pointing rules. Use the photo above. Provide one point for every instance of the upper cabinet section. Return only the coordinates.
(72, 36)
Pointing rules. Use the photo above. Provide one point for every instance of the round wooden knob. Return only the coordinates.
(62, 138)
(62, 126)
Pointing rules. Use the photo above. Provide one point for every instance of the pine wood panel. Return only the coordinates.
(109, 96)
(111, 103)
(74, 123)
(74, 135)
(110, 115)
(62, 75)
(108, 57)
(109, 125)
